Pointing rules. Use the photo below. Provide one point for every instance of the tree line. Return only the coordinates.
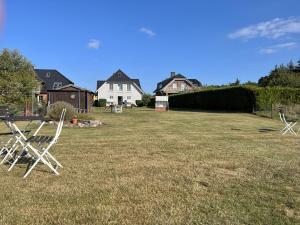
(282, 76)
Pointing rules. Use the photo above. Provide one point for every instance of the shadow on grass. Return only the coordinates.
(266, 130)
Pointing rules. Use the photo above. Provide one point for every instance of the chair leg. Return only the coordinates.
(40, 158)
(55, 160)
(17, 159)
(9, 153)
(290, 129)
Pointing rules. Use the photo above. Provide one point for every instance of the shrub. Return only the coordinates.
(54, 111)
(85, 116)
(102, 102)
(146, 99)
(151, 103)
(139, 103)
(96, 103)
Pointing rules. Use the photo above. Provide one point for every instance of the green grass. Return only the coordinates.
(178, 167)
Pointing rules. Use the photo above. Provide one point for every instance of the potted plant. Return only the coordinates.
(74, 120)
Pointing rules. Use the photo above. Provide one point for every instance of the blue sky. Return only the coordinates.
(214, 41)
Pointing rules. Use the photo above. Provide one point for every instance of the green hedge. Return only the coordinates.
(139, 103)
(238, 98)
(100, 103)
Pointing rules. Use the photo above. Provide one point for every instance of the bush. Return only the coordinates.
(240, 98)
(85, 116)
(146, 99)
(54, 111)
(96, 103)
(139, 103)
(151, 103)
(102, 102)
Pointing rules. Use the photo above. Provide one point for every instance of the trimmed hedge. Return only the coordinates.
(238, 98)
(100, 103)
(139, 103)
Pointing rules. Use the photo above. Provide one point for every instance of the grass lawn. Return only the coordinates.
(178, 167)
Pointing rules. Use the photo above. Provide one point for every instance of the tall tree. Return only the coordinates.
(17, 77)
(282, 76)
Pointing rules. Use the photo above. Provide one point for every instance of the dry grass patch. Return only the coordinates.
(179, 167)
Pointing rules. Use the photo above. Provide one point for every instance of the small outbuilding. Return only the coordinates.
(161, 103)
(81, 98)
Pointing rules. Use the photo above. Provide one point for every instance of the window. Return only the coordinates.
(183, 86)
(41, 98)
(111, 97)
(57, 85)
(128, 87)
(174, 85)
(111, 86)
(128, 97)
(48, 74)
(120, 87)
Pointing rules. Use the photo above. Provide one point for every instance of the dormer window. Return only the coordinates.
(48, 74)
(57, 85)
(160, 86)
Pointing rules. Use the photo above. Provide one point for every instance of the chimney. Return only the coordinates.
(173, 74)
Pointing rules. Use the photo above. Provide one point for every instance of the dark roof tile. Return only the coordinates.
(49, 77)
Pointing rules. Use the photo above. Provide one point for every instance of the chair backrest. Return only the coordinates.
(281, 117)
(60, 124)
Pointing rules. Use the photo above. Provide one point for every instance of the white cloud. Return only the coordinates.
(147, 31)
(94, 44)
(275, 48)
(270, 29)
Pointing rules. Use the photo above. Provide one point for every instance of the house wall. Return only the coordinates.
(42, 97)
(104, 92)
(170, 89)
(81, 100)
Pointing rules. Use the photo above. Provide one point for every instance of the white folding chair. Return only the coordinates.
(288, 126)
(41, 152)
(20, 140)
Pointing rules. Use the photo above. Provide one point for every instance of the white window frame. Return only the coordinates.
(111, 86)
(120, 87)
(57, 85)
(174, 85)
(183, 86)
(128, 87)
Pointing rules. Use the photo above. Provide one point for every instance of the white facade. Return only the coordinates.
(116, 93)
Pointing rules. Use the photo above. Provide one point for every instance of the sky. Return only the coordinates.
(214, 41)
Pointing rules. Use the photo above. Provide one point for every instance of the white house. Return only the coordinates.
(119, 88)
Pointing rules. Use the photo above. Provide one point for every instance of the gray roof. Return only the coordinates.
(164, 83)
(119, 77)
(100, 83)
(73, 86)
(49, 77)
(196, 82)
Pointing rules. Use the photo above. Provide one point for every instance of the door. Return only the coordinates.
(120, 100)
